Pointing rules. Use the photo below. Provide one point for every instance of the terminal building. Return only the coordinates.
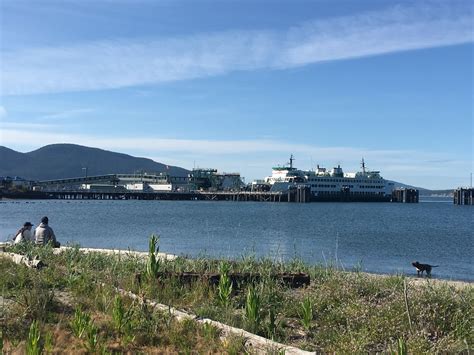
(198, 179)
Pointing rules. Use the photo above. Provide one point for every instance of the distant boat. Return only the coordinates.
(334, 184)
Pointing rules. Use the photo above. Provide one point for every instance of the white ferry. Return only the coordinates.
(334, 184)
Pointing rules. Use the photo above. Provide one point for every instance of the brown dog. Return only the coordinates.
(420, 268)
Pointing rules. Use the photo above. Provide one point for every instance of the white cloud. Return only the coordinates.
(119, 63)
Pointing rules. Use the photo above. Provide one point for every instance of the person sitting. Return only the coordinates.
(24, 234)
(45, 234)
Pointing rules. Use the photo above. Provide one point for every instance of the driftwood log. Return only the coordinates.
(258, 344)
(33, 263)
(293, 280)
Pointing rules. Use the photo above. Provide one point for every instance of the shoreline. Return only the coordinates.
(171, 257)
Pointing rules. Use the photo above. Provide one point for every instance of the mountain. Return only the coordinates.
(425, 192)
(58, 161)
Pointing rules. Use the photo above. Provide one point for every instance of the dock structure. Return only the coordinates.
(464, 196)
(404, 195)
(258, 196)
(299, 195)
(203, 185)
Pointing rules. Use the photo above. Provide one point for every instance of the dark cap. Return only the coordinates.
(27, 224)
(44, 220)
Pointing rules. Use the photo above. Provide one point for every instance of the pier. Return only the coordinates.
(296, 194)
(464, 196)
(299, 195)
(405, 195)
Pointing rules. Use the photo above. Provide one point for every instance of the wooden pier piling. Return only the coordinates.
(464, 196)
(405, 195)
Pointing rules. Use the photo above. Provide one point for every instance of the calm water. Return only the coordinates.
(381, 237)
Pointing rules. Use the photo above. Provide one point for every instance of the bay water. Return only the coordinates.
(374, 237)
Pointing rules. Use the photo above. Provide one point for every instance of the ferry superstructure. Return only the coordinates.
(334, 184)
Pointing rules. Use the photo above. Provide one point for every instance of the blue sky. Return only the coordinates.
(241, 85)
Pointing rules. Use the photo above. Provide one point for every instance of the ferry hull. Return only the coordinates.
(342, 197)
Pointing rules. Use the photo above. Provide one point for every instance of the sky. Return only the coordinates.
(241, 85)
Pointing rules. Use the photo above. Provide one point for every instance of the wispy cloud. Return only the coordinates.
(66, 114)
(195, 146)
(120, 63)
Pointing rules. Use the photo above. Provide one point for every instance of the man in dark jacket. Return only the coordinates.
(45, 234)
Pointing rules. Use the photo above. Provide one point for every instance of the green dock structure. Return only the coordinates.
(464, 196)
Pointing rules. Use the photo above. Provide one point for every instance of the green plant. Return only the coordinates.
(306, 313)
(83, 327)
(235, 345)
(33, 342)
(120, 316)
(104, 351)
(210, 332)
(402, 347)
(225, 284)
(48, 342)
(91, 337)
(37, 298)
(252, 309)
(153, 263)
(271, 326)
(80, 323)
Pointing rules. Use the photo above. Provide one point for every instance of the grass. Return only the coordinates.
(340, 311)
(306, 313)
(33, 345)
